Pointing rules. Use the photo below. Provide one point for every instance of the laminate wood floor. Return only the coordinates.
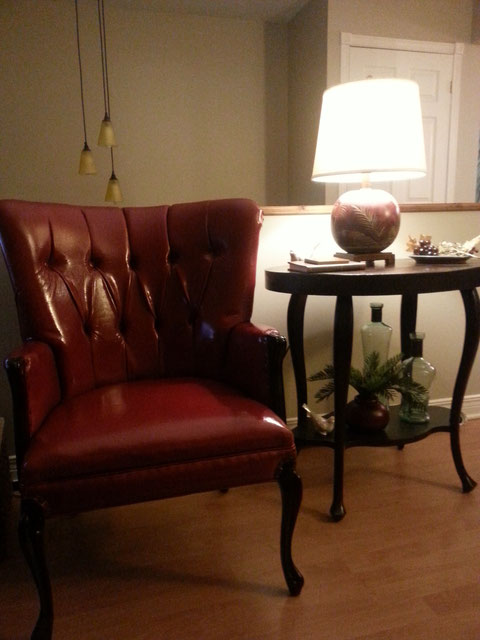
(403, 564)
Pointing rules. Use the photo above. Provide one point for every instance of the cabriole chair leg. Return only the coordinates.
(291, 488)
(30, 532)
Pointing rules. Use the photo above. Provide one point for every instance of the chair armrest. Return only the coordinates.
(33, 378)
(254, 364)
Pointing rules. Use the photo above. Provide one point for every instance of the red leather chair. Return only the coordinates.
(140, 376)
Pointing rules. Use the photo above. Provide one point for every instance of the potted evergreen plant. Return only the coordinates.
(365, 411)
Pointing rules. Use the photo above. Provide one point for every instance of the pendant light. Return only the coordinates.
(106, 136)
(113, 193)
(87, 163)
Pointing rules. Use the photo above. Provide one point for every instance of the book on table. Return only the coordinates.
(330, 264)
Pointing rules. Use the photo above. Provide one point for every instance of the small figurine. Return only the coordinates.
(294, 257)
(411, 244)
(324, 426)
(471, 245)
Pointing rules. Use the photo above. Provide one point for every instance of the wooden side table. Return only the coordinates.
(407, 279)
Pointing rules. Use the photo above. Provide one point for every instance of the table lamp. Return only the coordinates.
(369, 131)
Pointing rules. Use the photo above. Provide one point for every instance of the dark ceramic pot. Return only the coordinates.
(367, 413)
(365, 221)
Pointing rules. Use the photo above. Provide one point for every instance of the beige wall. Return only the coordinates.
(476, 22)
(469, 125)
(276, 113)
(307, 79)
(187, 102)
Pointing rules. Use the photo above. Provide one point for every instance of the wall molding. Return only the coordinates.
(429, 207)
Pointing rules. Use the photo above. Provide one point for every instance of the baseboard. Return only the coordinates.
(471, 408)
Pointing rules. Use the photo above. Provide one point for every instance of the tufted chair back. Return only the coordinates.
(134, 293)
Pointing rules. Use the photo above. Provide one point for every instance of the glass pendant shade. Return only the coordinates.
(106, 137)
(114, 193)
(87, 163)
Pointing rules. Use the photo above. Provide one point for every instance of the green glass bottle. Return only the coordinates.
(376, 334)
(421, 371)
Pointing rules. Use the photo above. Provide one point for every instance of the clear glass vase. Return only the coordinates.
(419, 370)
(376, 334)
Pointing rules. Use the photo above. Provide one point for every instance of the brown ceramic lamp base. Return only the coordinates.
(365, 221)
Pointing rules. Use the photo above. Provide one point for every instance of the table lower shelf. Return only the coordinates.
(396, 433)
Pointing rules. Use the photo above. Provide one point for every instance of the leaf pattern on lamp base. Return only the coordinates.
(365, 228)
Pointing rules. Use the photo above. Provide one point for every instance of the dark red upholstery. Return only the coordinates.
(140, 376)
(158, 438)
(136, 293)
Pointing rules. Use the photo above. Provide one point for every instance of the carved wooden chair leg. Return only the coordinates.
(291, 488)
(30, 532)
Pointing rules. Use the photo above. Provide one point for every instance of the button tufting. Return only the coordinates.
(172, 257)
(212, 253)
(93, 262)
(216, 250)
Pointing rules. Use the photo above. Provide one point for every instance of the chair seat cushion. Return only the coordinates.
(108, 439)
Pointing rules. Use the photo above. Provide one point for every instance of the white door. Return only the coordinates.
(435, 72)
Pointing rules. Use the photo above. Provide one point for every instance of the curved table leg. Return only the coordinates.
(472, 336)
(408, 321)
(342, 356)
(296, 312)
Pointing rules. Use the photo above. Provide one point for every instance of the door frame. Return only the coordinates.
(454, 49)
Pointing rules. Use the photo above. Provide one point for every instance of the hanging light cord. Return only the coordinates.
(103, 50)
(113, 167)
(81, 74)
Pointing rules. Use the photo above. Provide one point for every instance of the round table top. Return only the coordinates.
(406, 276)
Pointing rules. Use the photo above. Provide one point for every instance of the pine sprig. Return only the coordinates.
(385, 380)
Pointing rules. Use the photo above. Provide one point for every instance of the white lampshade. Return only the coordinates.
(370, 130)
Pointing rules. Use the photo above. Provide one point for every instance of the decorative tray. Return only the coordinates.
(439, 259)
